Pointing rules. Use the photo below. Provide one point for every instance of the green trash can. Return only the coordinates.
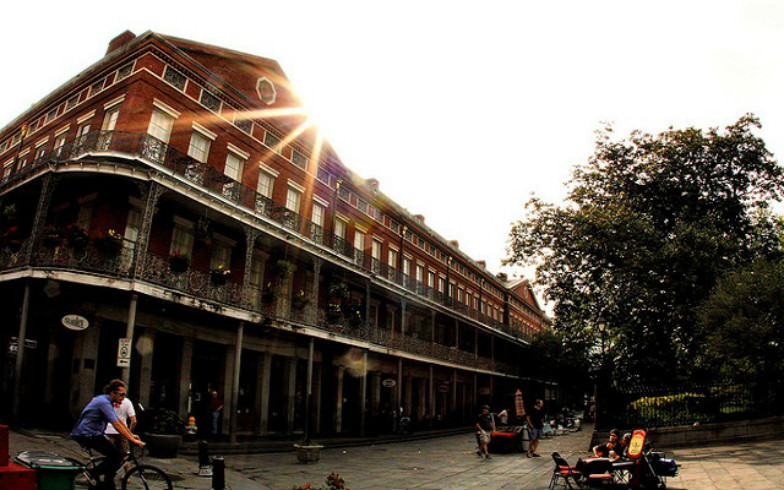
(53, 472)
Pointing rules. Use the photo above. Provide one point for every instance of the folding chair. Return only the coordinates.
(564, 471)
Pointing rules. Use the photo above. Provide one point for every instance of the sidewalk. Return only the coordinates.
(447, 462)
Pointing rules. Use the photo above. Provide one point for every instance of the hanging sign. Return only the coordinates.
(75, 322)
(519, 407)
(389, 383)
(124, 353)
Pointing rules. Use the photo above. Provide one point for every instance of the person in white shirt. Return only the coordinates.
(127, 414)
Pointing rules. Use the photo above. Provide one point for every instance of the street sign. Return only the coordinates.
(124, 353)
(75, 322)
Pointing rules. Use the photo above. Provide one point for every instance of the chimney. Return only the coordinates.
(502, 276)
(454, 243)
(120, 41)
(482, 264)
(420, 218)
(372, 184)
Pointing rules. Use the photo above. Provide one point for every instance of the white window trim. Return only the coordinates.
(377, 238)
(360, 229)
(62, 131)
(204, 131)
(41, 142)
(24, 152)
(85, 117)
(166, 108)
(114, 102)
(392, 247)
(238, 151)
(296, 186)
(321, 201)
(266, 168)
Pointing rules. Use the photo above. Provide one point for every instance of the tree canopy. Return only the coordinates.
(649, 224)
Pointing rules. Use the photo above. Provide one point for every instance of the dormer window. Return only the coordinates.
(266, 91)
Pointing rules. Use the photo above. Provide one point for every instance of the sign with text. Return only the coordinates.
(75, 322)
(124, 353)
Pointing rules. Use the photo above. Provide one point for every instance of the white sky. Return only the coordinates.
(460, 109)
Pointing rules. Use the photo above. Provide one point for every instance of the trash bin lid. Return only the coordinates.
(46, 459)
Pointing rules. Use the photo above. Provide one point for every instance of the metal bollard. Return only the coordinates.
(218, 476)
(205, 468)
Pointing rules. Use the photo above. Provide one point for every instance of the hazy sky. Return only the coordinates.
(460, 109)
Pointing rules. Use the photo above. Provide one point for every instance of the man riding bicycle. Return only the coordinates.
(89, 431)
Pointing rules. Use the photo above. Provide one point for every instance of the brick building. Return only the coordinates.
(173, 194)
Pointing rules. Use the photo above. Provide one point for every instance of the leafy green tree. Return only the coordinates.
(743, 324)
(649, 224)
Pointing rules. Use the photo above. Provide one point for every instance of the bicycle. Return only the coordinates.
(132, 474)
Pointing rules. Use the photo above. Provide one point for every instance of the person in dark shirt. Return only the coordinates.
(484, 426)
(610, 448)
(535, 420)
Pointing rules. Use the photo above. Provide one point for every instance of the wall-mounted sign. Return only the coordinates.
(389, 383)
(124, 353)
(75, 322)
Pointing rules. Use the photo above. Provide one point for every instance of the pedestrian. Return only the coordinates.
(535, 420)
(216, 407)
(484, 426)
(127, 415)
(89, 432)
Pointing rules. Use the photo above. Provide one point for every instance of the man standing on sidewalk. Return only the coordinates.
(535, 420)
(484, 426)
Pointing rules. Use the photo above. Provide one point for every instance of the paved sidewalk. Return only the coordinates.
(449, 463)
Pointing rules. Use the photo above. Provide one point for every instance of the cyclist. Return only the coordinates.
(89, 431)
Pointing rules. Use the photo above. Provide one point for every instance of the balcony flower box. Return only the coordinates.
(179, 263)
(219, 275)
(51, 235)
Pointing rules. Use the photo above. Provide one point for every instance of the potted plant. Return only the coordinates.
(77, 237)
(269, 293)
(12, 238)
(334, 312)
(283, 267)
(299, 300)
(51, 235)
(219, 275)
(308, 451)
(338, 291)
(109, 242)
(163, 433)
(179, 262)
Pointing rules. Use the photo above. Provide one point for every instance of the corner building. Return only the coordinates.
(169, 217)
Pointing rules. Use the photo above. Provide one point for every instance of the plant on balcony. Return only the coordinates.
(12, 238)
(269, 293)
(283, 268)
(354, 313)
(338, 291)
(9, 212)
(51, 235)
(77, 237)
(109, 242)
(299, 300)
(219, 275)
(179, 262)
(334, 312)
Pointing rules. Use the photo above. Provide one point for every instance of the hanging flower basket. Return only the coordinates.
(219, 275)
(268, 295)
(334, 312)
(179, 263)
(338, 290)
(299, 300)
(283, 268)
(109, 243)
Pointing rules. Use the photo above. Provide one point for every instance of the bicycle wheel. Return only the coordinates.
(145, 477)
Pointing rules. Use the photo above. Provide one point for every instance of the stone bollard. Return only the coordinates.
(218, 474)
(205, 468)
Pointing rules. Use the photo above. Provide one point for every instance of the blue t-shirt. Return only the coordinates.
(94, 417)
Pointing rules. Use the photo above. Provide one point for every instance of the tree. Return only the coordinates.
(743, 324)
(648, 226)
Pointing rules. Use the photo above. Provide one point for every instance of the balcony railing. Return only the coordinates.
(205, 176)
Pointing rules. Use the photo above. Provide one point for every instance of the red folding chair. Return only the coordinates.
(565, 473)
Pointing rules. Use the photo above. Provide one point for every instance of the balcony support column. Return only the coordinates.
(147, 341)
(403, 320)
(48, 184)
(263, 374)
(363, 393)
(340, 373)
(20, 339)
(152, 195)
(250, 243)
(235, 382)
(399, 390)
(186, 363)
(311, 310)
(130, 325)
(431, 395)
